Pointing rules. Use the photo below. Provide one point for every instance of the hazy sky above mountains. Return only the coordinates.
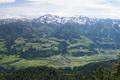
(35, 8)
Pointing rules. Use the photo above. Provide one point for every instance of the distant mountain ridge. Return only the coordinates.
(48, 18)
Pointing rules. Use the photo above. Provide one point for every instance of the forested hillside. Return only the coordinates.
(96, 71)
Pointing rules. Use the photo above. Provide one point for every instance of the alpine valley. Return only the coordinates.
(55, 41)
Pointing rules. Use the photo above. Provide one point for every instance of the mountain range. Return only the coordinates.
(51, 35)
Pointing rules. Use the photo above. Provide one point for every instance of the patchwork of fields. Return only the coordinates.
(54, 61)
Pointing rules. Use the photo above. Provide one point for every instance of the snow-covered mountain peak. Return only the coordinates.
(62, 20)
(53, 19)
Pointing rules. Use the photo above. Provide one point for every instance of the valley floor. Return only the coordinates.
(54, 61)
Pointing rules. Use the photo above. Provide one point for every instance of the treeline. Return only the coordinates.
(49, 73)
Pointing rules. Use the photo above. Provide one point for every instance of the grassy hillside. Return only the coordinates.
(53, 61)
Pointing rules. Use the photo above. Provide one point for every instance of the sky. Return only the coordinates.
(36, 8)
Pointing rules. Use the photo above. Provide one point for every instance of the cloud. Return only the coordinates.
(6, 1)
(91, 8)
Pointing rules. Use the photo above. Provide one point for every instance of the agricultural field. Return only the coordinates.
(53, 61)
